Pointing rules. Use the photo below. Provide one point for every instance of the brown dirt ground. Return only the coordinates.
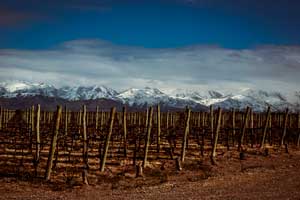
(276, 176)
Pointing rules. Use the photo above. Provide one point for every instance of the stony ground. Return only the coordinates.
(276, 176)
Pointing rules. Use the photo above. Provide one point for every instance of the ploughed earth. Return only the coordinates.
(257, 176)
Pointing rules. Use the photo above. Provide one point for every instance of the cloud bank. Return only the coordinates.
(89, 62)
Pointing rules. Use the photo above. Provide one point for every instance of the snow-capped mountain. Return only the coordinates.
(147, 95)
(257, 99)
(16, 89)
(85, 93)
(179, 98)
(23, 89)
(153, 96)
(203, 97)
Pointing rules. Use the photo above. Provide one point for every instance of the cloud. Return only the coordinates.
(87, 62)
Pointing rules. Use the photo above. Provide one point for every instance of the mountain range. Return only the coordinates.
(14, 91)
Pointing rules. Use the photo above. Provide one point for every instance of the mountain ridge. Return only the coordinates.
(179, 98)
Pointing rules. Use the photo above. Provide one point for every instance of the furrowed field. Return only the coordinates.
(127, 153)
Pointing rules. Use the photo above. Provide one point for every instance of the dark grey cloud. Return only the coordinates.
(89, 62)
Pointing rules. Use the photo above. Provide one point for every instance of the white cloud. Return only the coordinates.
(89, 62)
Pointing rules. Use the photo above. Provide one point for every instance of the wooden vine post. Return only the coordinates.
(233, 126)
(216, 135)
(244, 129)
(66, 120)
(32, 120)
(262, 145)
(53, 144)
(167, 123)
(212, 122)
(32, 129)
(111, 123)
(147, 141)
(252, 127)
(102, 119)
(125, 131)
(270, 129)
(203, 134)
(186, 132)
(146, 119)
(285, 126)
(158, 129)
(38, 141)
(79, 121)
(85, 147)
(97, 118)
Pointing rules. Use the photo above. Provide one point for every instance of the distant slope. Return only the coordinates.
(20, 94)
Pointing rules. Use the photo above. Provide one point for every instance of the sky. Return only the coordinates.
(218, 44)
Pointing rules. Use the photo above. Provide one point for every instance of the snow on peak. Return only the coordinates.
(85, 93)
(21, 88)
(13, 86)
(257, 99)
(196, 94)
(146, 95)
(15, 89)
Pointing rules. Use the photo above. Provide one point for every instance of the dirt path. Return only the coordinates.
(273, 177)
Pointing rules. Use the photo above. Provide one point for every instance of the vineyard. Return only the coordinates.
(64, 145)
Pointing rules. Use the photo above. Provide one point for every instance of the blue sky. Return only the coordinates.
(228, 44)
(31, 24)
